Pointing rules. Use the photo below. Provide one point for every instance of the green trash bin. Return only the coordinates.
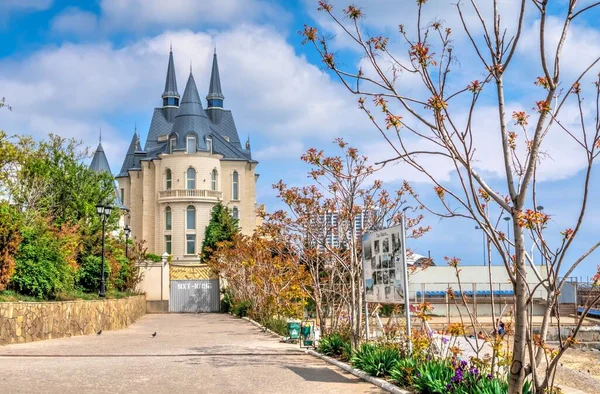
(306, 331)
(293, 329)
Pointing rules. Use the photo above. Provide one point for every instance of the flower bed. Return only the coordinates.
(420, 372)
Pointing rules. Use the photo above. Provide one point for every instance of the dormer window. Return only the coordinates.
(170, 102)
(172, 144)
(191, 144)
(209, 145)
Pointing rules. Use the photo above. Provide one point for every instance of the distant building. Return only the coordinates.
(192, 159)
(333, 227)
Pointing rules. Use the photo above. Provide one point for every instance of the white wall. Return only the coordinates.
(150, 283)
(472, 278)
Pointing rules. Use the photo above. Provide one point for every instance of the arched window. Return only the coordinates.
(213, 179)
(236, 213)
(169, 178)
(168, 218)
(190, 217)
(191, 178)
(236, 186)
(172, 144)
(190, 144)
(209, 144)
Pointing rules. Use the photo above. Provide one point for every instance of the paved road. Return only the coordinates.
(205, 353)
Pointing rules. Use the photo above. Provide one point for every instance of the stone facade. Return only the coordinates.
(34, 321)
(146, 194)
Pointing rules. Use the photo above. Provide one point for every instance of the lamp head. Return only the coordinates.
(107, 210)
(127, 231)
(100, 209)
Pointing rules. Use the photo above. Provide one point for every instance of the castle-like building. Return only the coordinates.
(192, 159)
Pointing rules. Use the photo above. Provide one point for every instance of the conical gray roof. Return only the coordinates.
(214, 89)
(191, 117)
(129, 161)
(171, 82)
(99, 162)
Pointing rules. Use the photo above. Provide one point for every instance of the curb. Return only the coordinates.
(265, 329)
(358, 373)
(364, 376)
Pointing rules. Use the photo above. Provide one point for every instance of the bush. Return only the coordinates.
(89, 274)
(376, 360)
(226, 301)
(153, 257)
(335, 345)
(9, 242)
(128, 276)
(404, 371)
(277, 325)
(433, 377)
(41, 268)
(241, 308)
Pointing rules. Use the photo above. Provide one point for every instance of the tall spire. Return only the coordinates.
(171, 96)
(215, 95)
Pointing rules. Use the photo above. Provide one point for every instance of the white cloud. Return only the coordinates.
(138, 14)
(274, 92)
(75, 21)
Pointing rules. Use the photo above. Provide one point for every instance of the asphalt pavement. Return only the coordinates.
(191, 353)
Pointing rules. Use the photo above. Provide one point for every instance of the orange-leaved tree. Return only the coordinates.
(322, 220)
(424, 94)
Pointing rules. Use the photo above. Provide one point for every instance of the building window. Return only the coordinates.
(209, 144)
(170, 102)
(213, 180)
(172, 144)
(236, 186)
(190, 244)
(191, 178)
(212, 103)
(236, 213)
(190, 217)
(122, 196)
(169, 177)
(168, 244)
(168, 218)
(191, 144)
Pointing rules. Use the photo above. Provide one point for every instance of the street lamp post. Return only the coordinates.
(484, 236)
(104, 212)
(127, 231)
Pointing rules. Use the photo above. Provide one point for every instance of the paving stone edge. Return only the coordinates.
(356, 372)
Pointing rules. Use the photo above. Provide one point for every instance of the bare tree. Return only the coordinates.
(439, 120)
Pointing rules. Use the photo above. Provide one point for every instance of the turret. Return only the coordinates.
(170, 96)
(215, 96)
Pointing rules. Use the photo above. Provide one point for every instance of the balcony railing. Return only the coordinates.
(187, 194)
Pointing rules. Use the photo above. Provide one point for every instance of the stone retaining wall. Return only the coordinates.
(33, 321)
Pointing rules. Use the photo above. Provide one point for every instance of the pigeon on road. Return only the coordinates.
(153, 335)
(99, 332)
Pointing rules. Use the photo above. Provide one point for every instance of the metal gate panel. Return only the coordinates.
(193, 296)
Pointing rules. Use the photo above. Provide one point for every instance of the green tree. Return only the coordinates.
(222, 227)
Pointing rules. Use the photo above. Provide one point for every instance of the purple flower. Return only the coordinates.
(489, 376)
(445, 340)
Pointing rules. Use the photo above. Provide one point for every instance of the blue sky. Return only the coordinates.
(72, 67)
